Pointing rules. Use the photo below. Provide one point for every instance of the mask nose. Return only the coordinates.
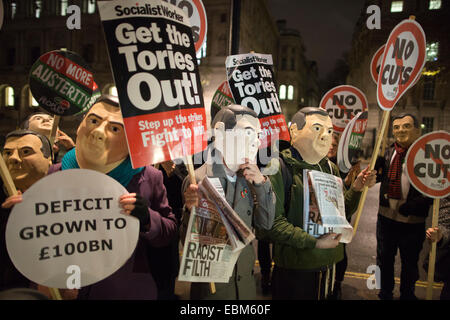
(14, 158)
(99, 132)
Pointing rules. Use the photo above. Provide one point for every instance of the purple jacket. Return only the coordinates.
(134, 279)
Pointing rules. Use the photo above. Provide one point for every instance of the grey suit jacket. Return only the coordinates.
(240, 196)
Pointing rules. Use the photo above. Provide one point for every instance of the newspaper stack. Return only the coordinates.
(215, 237)
(324, 205)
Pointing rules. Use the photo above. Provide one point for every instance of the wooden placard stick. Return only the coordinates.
(190, 168)
(432, 260)
(54, 130)
(376, 150)
(7, 179)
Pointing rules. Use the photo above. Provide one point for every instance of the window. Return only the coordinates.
(91, 6)
(293, 64)
(428, 88)
(434, 5)
(13, 10)
(201, 53)
(32, 102)
(282, 92)
(9, 97)
(113, 91)
(64, 5)
(427, 124)
(223, 18)
(37, 8)
(432, 51)
(397, 6)
(283, 64)
(290, 93)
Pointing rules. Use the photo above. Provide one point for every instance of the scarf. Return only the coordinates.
(123, 173)
(395, 173)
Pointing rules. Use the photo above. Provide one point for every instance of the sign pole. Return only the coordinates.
(52, 137)
(432, 260)
(376, 150)
(190, 168)
(7, 179)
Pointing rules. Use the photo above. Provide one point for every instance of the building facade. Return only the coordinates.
(429, 98)
(33, 27)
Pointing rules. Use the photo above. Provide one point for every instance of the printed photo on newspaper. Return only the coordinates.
(213, 242)
(324, 205)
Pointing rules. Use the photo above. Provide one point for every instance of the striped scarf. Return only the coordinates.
(395, 173)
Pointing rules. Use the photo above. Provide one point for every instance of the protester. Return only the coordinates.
(348, 179)
(101, 146)
(237, 175)
(43, 122)
(173, 176)
(402, 213)
(27, 155)
(441, 235)
(303, 263)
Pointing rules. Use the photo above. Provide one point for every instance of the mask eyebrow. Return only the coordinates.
(95, 115)
(117, 123)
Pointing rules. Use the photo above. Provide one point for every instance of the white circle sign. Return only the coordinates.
(428, 164)
(71, 218)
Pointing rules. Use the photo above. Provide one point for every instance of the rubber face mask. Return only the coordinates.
(240, 143)
(404, 131)
(101, 141)
(313, 141)
(25, 161)
(41, 123)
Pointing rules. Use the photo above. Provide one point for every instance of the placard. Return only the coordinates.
(71, 218)
(252, 84)
(342, 103)
(403, 60)
(62, 83)
(155, 69)
(428, 164)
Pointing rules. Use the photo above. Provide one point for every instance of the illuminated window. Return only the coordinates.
(427, 124)
(282, 92)
(13, 10)
(91, 6)
(432, 51)
(32, 101)
(37, 8)
(434, 5)
(397, 6)
(9, 97)
(201, 53)
(113, 91)
(64, 7)
(290, 93)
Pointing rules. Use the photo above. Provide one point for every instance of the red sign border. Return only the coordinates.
(373, 63)
(416, 146)
(203, 22)
(344, 87)
(419, 34)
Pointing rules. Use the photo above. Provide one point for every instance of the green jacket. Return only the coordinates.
(293, 248)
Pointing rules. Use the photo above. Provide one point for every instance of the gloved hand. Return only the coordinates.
(133, 204)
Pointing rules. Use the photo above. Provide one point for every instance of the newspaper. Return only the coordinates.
(324, 205)
(213, 243)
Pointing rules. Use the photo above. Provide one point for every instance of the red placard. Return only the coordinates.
(342, 103)
(403, 60)
(428, 164)
(375, 63)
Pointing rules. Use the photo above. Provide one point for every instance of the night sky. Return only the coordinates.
(326, 26)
